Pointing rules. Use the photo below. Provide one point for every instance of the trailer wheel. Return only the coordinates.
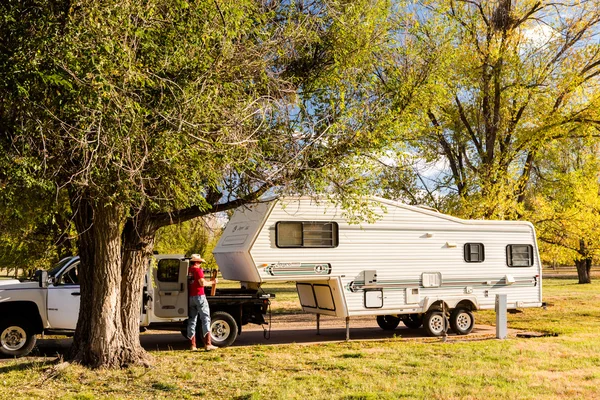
(413, 321)
(388, 322)
(16, 338)
(223, 329)
(434, 323)
(462, 321)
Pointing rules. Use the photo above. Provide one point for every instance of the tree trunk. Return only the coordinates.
(138, 242)
(584, 264)
(83, 219)
(99, 339)
(584, 267)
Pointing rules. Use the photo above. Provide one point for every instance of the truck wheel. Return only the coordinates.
(16, 339)
(462, 321)
(223, 329)
(387, 322)
(434, 323)
(413, 321)
(184, 329)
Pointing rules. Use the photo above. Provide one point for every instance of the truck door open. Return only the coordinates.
(64, 298)
(170, 288)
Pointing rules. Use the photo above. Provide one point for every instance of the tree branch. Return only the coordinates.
(179, 216)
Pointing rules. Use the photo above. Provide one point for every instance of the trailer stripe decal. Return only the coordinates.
(447, 284)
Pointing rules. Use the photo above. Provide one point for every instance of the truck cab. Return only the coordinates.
(51, 304)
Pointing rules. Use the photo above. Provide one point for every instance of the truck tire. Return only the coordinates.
(435, 323)
(16, 338)
(223, 329)
(388, 322)
(413, 321)
(184, 329)
(462, 321)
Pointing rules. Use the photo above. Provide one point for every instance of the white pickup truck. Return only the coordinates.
(51, 304)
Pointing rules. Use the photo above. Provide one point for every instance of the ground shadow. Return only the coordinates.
(168, 341)
(25, 365)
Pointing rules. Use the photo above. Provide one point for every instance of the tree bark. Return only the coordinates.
(584, 264)
(99, 338)
(138, 242)
(83, 219)
(584, 267)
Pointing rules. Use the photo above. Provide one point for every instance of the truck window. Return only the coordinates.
(71, 275)
(168, 270)
(306, 234)
(519, 255)
(56, 269)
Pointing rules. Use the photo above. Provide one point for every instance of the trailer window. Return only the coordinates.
(306, 234)
(519, 255)
(168, 270)
(474, 252)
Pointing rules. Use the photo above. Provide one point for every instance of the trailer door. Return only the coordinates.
(170, 288)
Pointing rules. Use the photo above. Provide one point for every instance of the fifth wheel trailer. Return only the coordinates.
(412, 264)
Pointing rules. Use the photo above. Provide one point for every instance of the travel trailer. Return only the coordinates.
(412, 264)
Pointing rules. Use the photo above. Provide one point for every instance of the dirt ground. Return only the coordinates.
(285, 329)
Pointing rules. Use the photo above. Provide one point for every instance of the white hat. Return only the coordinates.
(197, 258)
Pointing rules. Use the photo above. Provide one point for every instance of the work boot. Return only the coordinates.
(207, 344)
(193, 343)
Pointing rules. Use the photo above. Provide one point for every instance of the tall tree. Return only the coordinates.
(151, 113)
(511, 76)
(564, 201)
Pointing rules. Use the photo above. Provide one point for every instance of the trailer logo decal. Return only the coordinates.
(281, 268)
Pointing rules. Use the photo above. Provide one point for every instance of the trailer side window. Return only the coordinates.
(306, 234)
(474, 252)
(519, 255)
(168, 270)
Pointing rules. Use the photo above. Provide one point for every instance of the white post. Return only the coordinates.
(347, 328)
(501, 324)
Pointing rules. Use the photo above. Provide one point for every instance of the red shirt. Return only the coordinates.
(195, 288)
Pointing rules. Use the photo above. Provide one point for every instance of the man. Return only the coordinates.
(197, 304)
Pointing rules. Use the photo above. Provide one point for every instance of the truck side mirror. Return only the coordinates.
(43, 279)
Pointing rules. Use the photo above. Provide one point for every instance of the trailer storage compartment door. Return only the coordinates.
(322, 297)
(306, 295)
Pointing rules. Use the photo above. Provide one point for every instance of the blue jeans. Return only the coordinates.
(198, 306)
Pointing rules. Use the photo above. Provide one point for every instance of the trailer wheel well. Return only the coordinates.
(467, 304)
(20, 310)
(438, 306)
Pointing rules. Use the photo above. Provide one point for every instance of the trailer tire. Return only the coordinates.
(462, 321)
(388, 322)
(434, 323)
(16, 338)
(413, 321)
(223, 329)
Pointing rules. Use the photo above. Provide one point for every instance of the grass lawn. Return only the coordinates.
(562, 367)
